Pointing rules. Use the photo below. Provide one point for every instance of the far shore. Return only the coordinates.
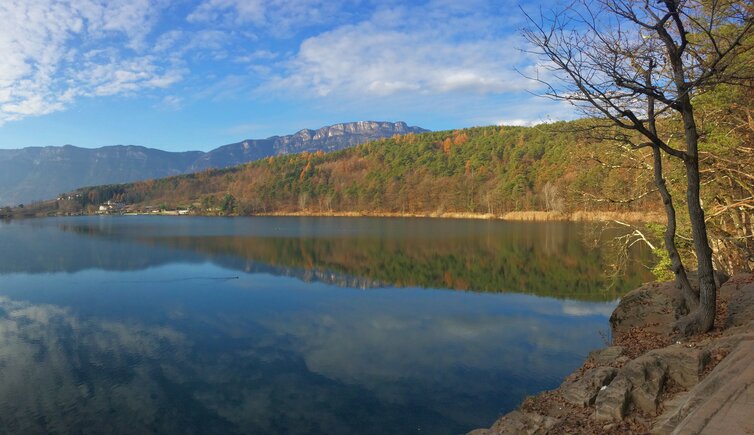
(528, 216)
(535, 216)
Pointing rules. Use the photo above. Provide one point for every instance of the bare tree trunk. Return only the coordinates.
(690, 297)
(703, 318)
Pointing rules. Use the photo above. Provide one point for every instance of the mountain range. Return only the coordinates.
(37, 173)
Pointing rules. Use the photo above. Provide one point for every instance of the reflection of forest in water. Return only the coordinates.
(548, 259)
(562, 268)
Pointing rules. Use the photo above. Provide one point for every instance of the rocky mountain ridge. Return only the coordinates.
(37, 173)
(329, 138)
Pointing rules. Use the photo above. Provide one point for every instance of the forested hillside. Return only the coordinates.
(478, 170)
(561, 167)
(35, 173)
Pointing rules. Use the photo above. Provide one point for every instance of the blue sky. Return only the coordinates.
(196, 74)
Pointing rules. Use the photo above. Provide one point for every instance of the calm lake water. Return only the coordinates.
(291, 325)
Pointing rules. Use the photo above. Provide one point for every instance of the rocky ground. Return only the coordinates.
(650, 381)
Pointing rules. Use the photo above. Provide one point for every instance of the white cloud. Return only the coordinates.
(171, 102)
(517, 122)
(54, 52)
(531, 122)
(257, 55)
(526, 110)
(408, 50)
(439, 53)
(279, 17)
(168, 41)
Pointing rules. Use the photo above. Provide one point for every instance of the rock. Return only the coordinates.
(522, 423)
(665, 423)
(584, 390)
(734, 284)
(606, 356)
(613, 400)
(654, 307)
(684, 364)
(733, 337)
(721, 403)
(720, 278)
(741, 307)
(647, 376)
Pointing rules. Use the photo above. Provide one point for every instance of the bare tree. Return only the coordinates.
(553, 201)
(691, 297)
(632, 61)
(303, 200)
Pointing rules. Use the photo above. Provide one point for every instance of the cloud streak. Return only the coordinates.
(408, 50)
(436, 57)
(55, 52)
(280, 17)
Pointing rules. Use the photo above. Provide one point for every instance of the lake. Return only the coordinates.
(292, 325)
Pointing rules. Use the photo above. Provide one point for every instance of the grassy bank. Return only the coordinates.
(531, 216)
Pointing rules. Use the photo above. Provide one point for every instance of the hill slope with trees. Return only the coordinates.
(36, 173)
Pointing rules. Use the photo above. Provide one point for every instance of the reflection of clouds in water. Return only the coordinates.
(572, 308)
(405, 355)
(282, 355)
(82, 374)
(66, 374)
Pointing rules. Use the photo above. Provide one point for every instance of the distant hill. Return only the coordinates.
(37, 173)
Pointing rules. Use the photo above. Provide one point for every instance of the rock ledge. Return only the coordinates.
(650, 383)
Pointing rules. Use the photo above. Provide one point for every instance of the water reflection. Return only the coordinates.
(550, 259)
(122, 325)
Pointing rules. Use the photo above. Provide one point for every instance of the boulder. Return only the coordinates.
(647, 375)
(684, 364)
(741, 307)
(606, 356)
(521, 423)
(613, 400)
(721, 403)
(720, 278)
(583, 391)
(665, 423)
(731, 286)
(733, 337)
(653, 307)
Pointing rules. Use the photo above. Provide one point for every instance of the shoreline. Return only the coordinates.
(530, 216)
(520, 216)
(514, 216)
(647, 380)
